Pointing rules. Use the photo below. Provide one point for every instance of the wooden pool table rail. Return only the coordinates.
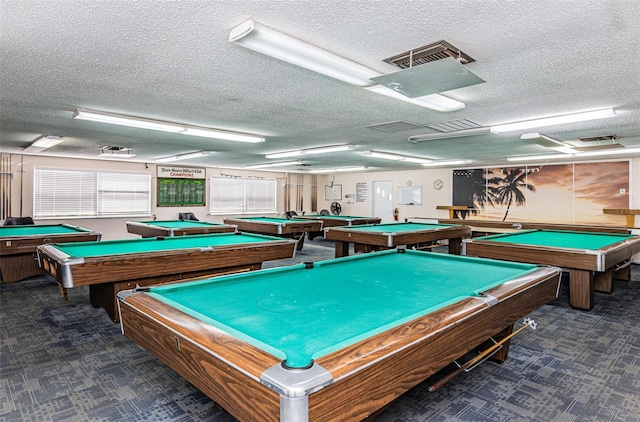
(364, 377)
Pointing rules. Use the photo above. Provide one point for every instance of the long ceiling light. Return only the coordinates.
(186, 156)
(448, 163)
(537, 157)
(270, 42)
(138, 122)
(311, 151)
(599, 153)
(447, 135)
(280, 164)
(554, 120)
(42, 143)
(434, 101)
(339, 170)
(398, 157)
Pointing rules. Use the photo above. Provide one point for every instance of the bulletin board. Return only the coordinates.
(181, 192)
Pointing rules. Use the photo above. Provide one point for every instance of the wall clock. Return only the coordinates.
(437, 184)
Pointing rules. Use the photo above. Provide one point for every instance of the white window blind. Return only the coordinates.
(69, 193)
(242, 196)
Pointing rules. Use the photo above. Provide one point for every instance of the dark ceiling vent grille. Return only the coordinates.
(397, 126)
(600, 138)
(429, 53)
(108, 148)
(453, 125)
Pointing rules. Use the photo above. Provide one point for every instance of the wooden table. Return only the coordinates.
(335, 340)
(630, 214)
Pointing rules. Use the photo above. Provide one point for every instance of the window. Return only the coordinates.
(242, 196)
(79, 193)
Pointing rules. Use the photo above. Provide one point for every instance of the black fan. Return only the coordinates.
(336, 208)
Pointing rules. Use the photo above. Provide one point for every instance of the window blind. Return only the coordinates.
(242, 196)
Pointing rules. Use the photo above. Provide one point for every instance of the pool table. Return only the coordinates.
(366, 238)
(337, 221)
(593, 259)
(18, 246)
(334, 340)
(113, 265)
(176, 228)
(288, 228)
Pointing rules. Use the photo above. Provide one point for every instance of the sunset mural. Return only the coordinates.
(558, 193)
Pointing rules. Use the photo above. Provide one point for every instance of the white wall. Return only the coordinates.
(114, 228)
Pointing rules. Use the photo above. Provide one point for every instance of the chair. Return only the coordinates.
(187, 216)
(290, 214)
(18, 221)
(324, 212)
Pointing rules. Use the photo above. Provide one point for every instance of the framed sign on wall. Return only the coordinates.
(181, 186)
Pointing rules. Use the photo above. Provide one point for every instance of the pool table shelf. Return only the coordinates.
(353, 379)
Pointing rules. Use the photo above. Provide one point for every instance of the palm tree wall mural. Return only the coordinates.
(510, 189)
(561, 193)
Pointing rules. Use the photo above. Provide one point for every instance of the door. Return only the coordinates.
(383, 200)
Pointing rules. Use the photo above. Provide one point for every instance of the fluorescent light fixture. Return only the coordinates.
(548, 142)
(613, 151)
(47, 141)
(311, 151)
(339, 170)
(141, 123)
(434, 101)
(554, 120)
(537, 157)
(43, 143)
(270, 42)
(280, 164)
(398, 157)
(447, 135)
(186, 156)
(447, 163)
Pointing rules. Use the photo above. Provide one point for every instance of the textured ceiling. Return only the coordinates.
(171, 60)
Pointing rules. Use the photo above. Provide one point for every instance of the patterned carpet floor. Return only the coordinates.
(66, 361)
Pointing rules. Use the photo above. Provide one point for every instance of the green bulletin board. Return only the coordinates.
(180, 192)
(184, 186)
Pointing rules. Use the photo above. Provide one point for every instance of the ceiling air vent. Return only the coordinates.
(397, 126)
(453, 125)
(429, 53)
(600, 138)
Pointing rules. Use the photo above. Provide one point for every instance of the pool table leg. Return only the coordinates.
(455, 246)
(581, 288)
(623, 273)
(603, 281)
(300, 238)
(342, 249)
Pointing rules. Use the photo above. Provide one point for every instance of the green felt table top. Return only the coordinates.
(153, 244)
(300, 314)
(396, 227)
(271, 220)
(40, 230)
(560, 238)
(180, 224)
